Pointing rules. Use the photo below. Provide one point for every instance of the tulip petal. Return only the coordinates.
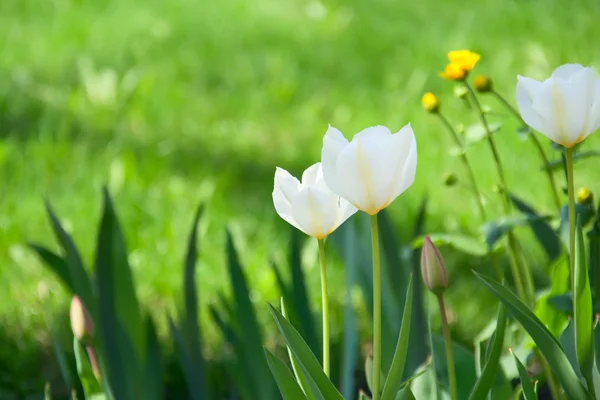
(346, 210)
(333, 143)
(595, 111)
(374, 132)
(404, 149)
(526, 89)
(315, 211)
(366, 164)
(567, 71)
(311, 175)
(284, 209)
(288, 185)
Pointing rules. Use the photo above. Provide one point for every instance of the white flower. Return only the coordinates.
(565, 107)
(309, 205)
(371, 170)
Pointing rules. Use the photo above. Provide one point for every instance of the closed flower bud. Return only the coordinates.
(461, 92)
(585, 196)
(81, 321)
(483, 84)
(433, 268)
(430, 102)
(450, 179)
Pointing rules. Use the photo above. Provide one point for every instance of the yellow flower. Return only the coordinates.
(454, 72)
(430, 102)
(482, 83)
(464, 58)
(585, 196)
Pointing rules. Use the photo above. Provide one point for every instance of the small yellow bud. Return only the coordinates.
(585, 196)
(483, 84)
(81, 321)
(430, 102)
(450, 179)
(454, 72)
(433, 268)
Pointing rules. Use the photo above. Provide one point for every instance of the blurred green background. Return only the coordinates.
(171, 103)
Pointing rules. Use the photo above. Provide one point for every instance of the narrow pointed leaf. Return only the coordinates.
(488, 375)
(350, 338)
(583, 307)
(405, 394)
(88, 380)
(304, 356)
(56, 263)
(558, 164)
(529, 392)
(300, 376)
(394, 378)
(153, 375)
(78, 275)
(285, 380)
(464, 243)
(193, 335)
(548, 345)
(196, 392)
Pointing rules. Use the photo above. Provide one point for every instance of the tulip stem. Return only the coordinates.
(538, 146)
(325, 306)
(376, 308)
(448, 342)
(526, 292)
(465, 161)
(571, 192)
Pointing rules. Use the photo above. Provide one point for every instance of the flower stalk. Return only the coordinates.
(571, 194)
(376, 308)
(519, 272)
(448, 343)
(325, 306)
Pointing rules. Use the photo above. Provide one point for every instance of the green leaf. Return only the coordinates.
(298, 373)
(557, 164)
(541, 229)
(495, 230)
(56, 263)
(583, 314)
(464, 243)
(567, 341)
(153, 377)
(285, 380)
(363, 396)
(112, 256)
(196, 392)
(405, 394)
(488, 375)
(562, 302)
(559, 283)
(597, 345)
(63, 364)
(88, 380)
(304, 356)
(583, 212)
(394, 378)
(529, 392)
(548, 345)
(250, 334)
(464, 361)
(78, 276)
(299, 294)
(191, 327)
(523, 132)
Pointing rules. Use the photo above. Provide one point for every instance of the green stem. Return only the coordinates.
(325, 305)
(538, 146)
(518, 270)
(376, 308)
(448, 341)
(571, 191)
(467, 165)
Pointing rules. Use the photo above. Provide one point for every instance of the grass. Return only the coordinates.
(172, 103)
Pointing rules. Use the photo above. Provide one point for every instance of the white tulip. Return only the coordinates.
(565, 107)
(371, 170)
(309, 205)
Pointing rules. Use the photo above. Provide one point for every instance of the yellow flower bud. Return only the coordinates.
(482, 83)
(585, 196)
(430, 102)
(433, 268)
(81, 321)
(461, 92)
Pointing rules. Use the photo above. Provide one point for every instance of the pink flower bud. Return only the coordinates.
(433, 268)
(81, 321)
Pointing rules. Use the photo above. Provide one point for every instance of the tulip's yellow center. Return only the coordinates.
(430, 102)
(454, 72)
